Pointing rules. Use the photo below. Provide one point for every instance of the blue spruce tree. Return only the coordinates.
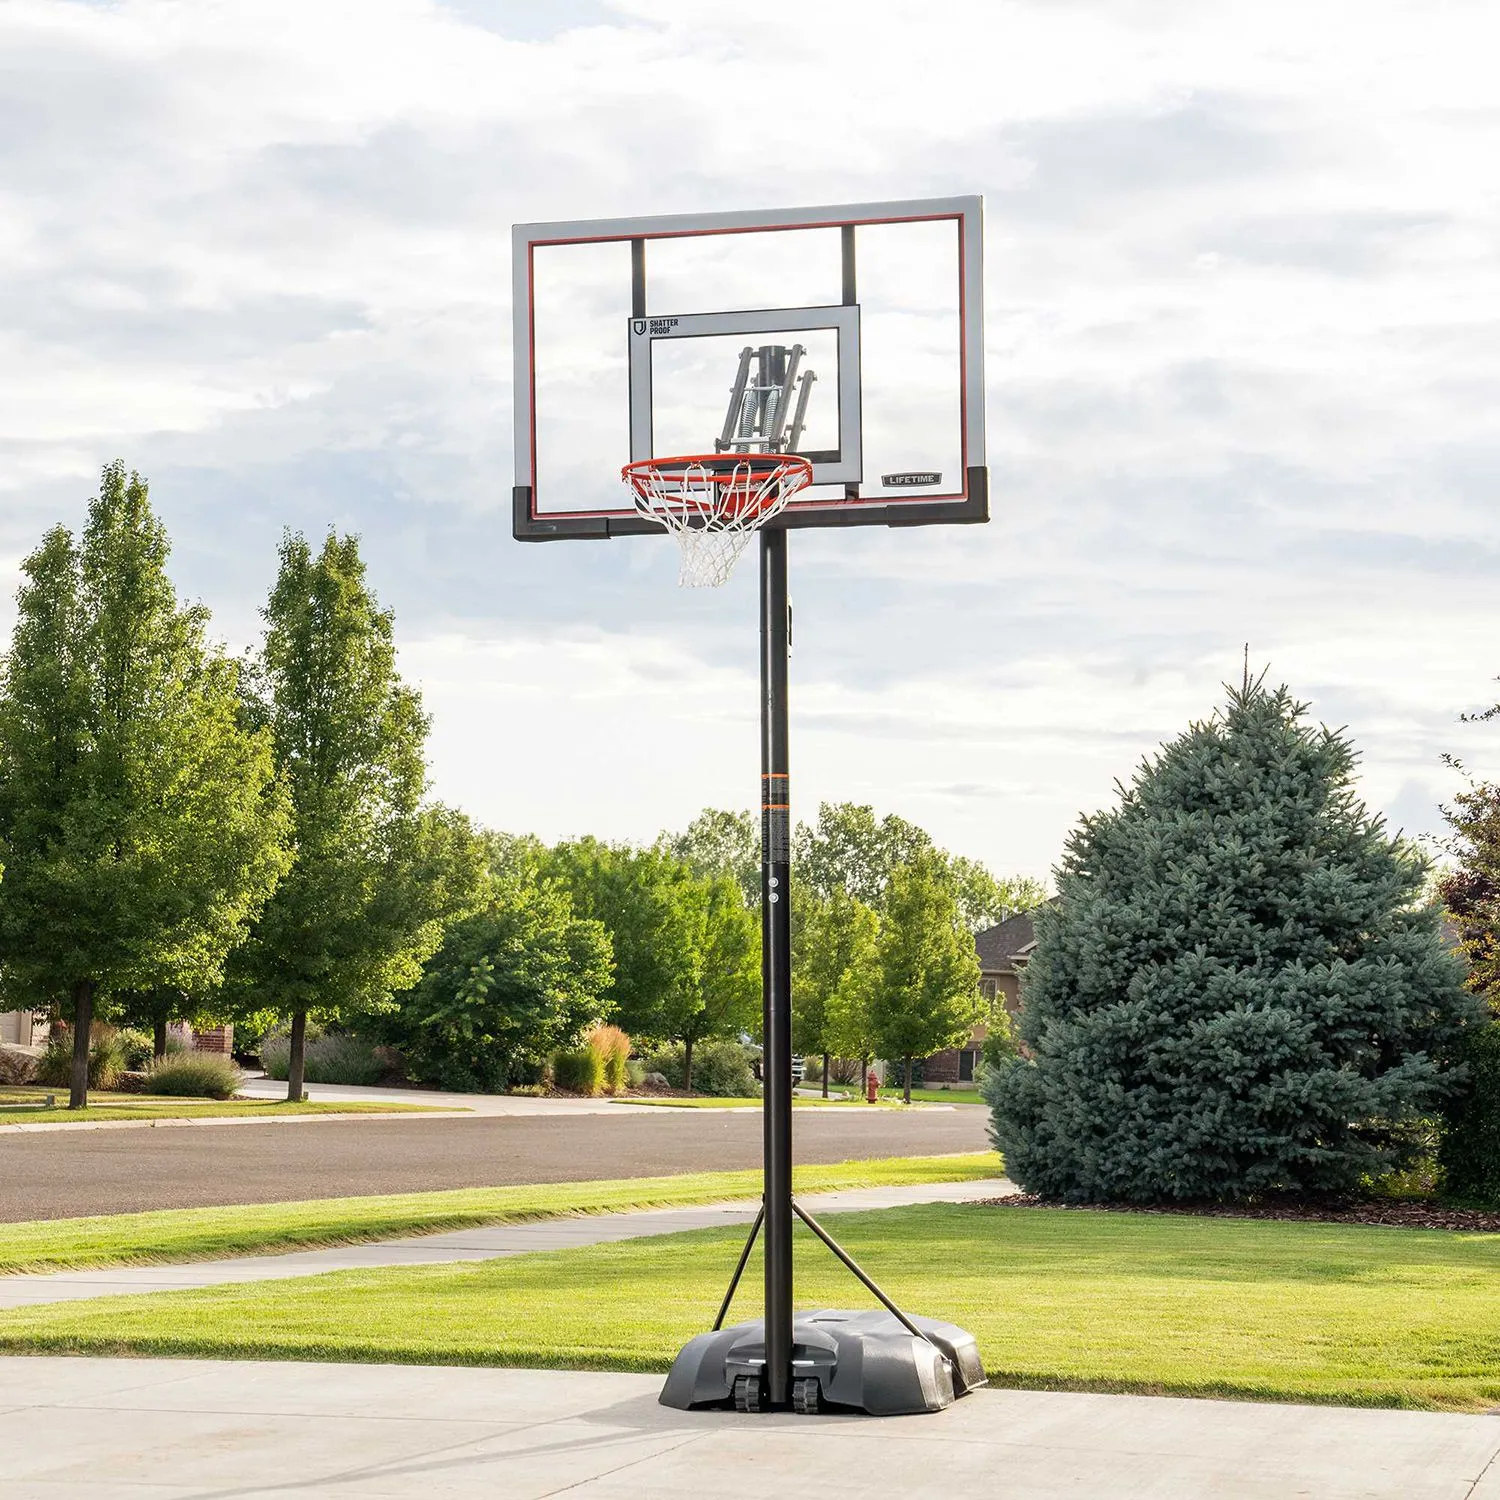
(1239, 988)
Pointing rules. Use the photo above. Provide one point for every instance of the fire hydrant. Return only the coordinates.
(872, 1087)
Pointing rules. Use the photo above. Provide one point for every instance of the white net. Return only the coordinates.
(713, 504)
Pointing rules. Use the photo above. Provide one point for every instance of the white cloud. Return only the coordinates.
(1242, 312)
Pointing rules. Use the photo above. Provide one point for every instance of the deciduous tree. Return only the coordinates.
(985, 899)
(833, 956)
(511, 983)
(924, 990)
(141, 819)
(643, 899)
(1471, 890)
(379, 872)
(686, 958)
(717, 842)
(723, 999)
(849, 849)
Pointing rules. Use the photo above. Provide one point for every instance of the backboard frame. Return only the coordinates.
(966, 504)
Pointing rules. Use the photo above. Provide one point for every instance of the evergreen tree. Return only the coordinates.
(141, 821)
(379, 873)
(924, 985)
(1238, 989)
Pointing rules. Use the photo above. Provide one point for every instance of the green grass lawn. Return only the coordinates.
(184, 1234)
(936, 1096)
(19, 1106)
(1059, 1300)
(706, 1101)
(892, 1095)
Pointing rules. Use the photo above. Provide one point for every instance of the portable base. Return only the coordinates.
(860, 1361)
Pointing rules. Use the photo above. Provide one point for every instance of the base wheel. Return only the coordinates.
(749, 1393)
(807, 1395)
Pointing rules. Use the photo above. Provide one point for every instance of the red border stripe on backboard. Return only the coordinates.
(677, 234)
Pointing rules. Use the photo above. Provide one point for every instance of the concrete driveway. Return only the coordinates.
(205, 1430)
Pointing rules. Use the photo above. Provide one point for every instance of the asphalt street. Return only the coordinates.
(66, 1173)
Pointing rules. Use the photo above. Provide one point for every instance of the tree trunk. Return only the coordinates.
(296, 1057)
(83, 1031)
(864, 1076)
(687, 1064)
(159, 1039)
(906, 1081)
(825, 1075)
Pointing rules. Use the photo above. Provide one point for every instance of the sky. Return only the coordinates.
(1243, 356)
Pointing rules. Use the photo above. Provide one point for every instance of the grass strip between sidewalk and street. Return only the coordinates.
(933, 1096)
(707, 1101)
(1059, 1300)
(28, 1108)
(185, 1234)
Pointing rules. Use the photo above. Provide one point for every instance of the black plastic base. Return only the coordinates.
(862, 1361)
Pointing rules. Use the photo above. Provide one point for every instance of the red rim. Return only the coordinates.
(745, 482)
(721, 467)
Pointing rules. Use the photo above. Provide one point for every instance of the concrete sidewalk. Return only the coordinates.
(258, 1086)
(208, 1430)
(462, 1244)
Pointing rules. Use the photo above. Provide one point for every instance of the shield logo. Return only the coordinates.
(639, 325)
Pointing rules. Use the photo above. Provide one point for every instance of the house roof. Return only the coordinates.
(999, 946)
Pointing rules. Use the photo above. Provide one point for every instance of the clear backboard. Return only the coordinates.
(850, 335)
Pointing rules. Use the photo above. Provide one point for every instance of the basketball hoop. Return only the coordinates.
(713, 502)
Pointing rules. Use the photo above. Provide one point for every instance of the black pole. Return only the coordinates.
(776, 965)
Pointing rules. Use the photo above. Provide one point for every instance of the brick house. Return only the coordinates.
(1003, 952)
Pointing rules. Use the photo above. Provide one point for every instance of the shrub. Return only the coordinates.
(578, 1070)
(106, 1058)
(16, 1066)
(846, 1070)
(613, 1048)
(331, 1058)
(194, 1075)
(666, 1063)
(508, 985)
(139, 1047)
(1470, 1149)
(720, 1069)
(635, 1072)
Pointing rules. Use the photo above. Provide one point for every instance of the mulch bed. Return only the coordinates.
(1390, 1214)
